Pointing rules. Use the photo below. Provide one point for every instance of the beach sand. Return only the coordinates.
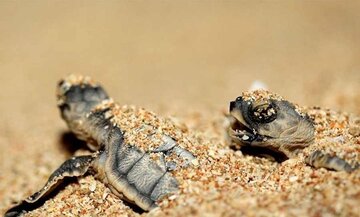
(185, 60)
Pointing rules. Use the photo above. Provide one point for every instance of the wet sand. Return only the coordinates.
(185, 60)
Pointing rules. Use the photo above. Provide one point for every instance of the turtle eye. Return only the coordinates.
(264, 112)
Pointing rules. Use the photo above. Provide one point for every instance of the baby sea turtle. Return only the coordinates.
(263, 120)
(135, 153)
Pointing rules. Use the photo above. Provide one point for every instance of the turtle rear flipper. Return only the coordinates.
(76, 166)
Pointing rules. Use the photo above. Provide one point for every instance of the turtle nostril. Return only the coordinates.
(60, 83)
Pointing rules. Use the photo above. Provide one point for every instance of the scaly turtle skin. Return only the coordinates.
(136, 154)
(261, 119)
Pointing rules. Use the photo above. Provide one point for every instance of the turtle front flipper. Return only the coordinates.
(171, 146)
(318, 159)
(76, 166)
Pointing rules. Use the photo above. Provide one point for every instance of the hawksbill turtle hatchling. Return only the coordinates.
(135, 153)
(263, 122)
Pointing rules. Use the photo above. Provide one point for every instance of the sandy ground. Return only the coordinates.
(185, 59)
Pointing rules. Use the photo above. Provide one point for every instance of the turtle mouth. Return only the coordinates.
(238, 128)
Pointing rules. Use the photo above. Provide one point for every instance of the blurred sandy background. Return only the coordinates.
(166, 56)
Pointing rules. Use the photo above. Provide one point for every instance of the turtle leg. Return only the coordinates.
(318, 159)
(76, 166)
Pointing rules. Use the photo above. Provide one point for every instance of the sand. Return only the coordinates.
(184, 61)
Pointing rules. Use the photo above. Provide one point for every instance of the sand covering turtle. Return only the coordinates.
(150, 145)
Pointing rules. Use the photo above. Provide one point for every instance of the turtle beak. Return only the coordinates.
(237, 119)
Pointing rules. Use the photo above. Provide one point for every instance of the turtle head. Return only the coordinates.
(78, 95)
(263, 119)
